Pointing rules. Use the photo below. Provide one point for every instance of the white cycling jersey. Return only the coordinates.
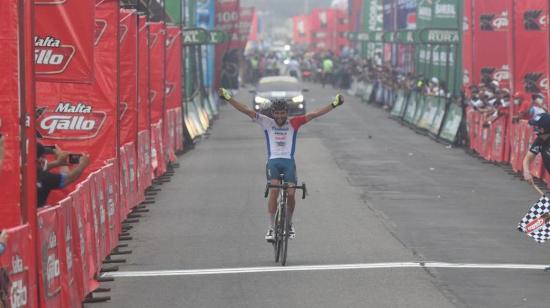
(281, 141)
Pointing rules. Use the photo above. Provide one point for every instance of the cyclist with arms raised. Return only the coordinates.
(280, 135)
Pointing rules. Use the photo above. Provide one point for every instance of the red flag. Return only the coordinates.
(157, 47)
(64, 35)
(531, 46)
(128, 76)
(84, 118)
(246, 16)
(493, 32)
(227, 54)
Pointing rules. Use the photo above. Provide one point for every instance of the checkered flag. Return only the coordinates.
(536, 223)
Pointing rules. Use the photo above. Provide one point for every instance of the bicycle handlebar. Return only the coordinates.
(269, 186)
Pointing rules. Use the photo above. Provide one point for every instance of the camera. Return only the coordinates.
(74, 158)
(49, 149)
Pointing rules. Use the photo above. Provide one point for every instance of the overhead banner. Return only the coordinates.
(157, 49)
(205, 19)
(228, 53)
(406, 14)
(10, 115)
(531, 46)
(85, 118)
(63, 40)
(128, 76)
(492, 32)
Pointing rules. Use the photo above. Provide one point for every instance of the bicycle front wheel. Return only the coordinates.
(278, 234)
(286, 234)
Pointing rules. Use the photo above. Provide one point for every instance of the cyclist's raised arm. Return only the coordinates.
(224, 94)
(338, 100)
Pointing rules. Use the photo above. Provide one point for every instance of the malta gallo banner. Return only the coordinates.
(301, 31)
(143, 63)
(157, 48)
(10, 115)
(63, 40)
(227, 54)
(531, 46)
(49, 265)
(128, 76)
(84, 118)
(492, 37)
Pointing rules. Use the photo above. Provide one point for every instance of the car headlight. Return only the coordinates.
(260, 100)
(298, 99)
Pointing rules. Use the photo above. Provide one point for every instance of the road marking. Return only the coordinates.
(241, 270)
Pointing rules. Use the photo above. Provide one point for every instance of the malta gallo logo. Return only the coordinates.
(51, 56)
(534, 20)
(100, 27)
(69, 121)
(492, 22)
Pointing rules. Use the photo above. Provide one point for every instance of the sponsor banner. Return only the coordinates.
(173, 68)
(531, 46)
(158, 147)
(70, 264)
(492, 33)
(49, 253)
(453, 118)
(84, 118)
(10, 115)
(17, 263)
(179, 129)
(498, 140)
(143, 89)
(389, 15)
(228, 53)
(246, 15)
(467, 57)
(354, 13)
(99, 205)
(515, 141)
(301, 33)
(128, 76)
(79, 248)
(406, 14)
(63, 40)
(157, 49)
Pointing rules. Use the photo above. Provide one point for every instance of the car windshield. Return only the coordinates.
(278, 86)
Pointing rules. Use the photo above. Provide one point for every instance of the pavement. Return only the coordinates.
(393, 219)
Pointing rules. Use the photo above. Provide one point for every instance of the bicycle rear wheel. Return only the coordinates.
(285, 234)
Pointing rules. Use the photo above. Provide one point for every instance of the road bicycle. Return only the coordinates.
(282, 224)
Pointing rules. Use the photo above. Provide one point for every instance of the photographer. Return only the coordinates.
(46, 181)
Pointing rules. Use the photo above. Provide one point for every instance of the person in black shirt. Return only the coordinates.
(46, 181)
(541, 145)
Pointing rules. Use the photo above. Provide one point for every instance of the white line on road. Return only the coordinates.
(240, 270)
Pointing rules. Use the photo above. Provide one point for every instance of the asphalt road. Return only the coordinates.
(382, 199)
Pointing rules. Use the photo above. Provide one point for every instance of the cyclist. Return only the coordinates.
(281, 143)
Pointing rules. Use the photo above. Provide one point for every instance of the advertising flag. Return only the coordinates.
(228, 53)
(63, 40)
(85, 118)
(128, 76)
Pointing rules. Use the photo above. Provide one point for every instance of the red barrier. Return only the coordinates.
(17, 261)
(85, 234)
(110, 177)
(132, 171)
(124, 182)
(179, 129)
(49, 266)
(70, 264)
(515, 140)
(499, 141)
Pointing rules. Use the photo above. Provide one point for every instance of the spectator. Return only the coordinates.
(522, 106)
(47, 181)
(1, 150)
(3, 241)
